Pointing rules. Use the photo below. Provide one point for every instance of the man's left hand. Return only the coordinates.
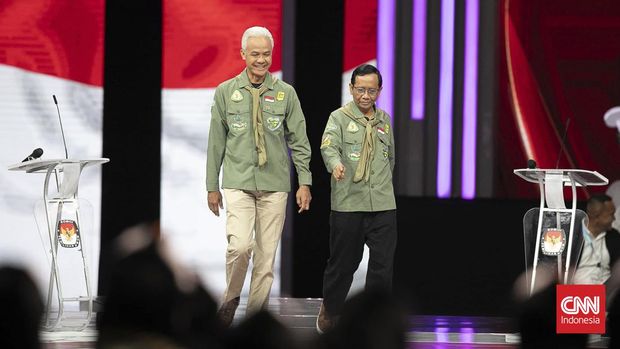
(303, 198)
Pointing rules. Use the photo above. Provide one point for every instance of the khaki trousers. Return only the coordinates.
(254, 222)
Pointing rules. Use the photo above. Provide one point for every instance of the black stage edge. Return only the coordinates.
(459, 257)
(318, 75)
(131, 120)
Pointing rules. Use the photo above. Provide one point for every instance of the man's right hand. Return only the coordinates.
(214, 199)
(338, 172)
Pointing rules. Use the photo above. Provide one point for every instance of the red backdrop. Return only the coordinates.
(560, 60)
(61, 38)
(202, 39)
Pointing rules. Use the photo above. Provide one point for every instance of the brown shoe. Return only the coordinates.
(227, 312)
(324, 322)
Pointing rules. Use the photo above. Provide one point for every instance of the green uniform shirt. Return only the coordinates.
(342, 143)
(231, 137)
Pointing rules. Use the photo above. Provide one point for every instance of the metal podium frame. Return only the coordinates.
(67, 192)
(565, 177)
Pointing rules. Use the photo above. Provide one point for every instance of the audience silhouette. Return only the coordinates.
(21, 309)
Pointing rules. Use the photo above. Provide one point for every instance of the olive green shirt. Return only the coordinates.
(342, 143)
(231, 137)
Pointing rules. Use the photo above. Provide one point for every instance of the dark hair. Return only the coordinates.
(596, 201)
(366, 69)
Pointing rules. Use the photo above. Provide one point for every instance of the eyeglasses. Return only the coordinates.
(372, 92)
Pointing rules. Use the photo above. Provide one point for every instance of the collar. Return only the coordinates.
(243, 80)
(587, 235)
(357, 113)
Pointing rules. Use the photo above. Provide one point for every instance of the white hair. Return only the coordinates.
(254, 32)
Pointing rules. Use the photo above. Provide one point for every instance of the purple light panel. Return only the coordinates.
(418, 59)
(442, 335)
(386, 18)
(446, 75)
(470, 100)
(466, 335)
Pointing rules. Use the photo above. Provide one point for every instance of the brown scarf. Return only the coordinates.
(368, 144)
(257, 120)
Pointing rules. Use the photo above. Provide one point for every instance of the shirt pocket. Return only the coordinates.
(238, 118)
(352, 146)
(273, 117)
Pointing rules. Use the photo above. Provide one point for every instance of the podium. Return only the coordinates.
(64, 235)
(550, 221)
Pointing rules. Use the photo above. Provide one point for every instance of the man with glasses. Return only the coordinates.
(255, 119)
(358, 150)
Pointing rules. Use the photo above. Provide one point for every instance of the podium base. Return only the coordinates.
(97, 305)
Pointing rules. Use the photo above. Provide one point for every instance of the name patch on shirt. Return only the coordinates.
(274, 123)
(238, 123)
(355, 152)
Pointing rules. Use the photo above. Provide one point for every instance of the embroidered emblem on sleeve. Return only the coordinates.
(331, 126)
(326, 142)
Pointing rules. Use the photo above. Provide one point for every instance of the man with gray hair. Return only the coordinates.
(255, 119)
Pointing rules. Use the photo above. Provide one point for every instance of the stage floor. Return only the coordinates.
(299, 315)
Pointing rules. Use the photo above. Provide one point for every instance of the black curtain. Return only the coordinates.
(131, 121)
(318, 71)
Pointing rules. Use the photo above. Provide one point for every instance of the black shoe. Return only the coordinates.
(227, 312)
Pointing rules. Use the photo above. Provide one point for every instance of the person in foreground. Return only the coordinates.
(255, 119)
(358, 150)
(601, 246)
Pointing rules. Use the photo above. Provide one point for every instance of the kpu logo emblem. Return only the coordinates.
(580, 309)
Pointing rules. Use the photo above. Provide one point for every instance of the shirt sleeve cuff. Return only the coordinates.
(332, 163)
(213, 186)
(305, 179)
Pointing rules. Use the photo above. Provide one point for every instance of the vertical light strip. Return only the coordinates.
(386, 19)
(516, 104)
(418, 59)
(446, 75)
(470, 100)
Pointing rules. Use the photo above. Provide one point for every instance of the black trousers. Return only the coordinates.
(349, 231)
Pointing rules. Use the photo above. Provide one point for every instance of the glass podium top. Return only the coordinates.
(582, 178)
(42, 165)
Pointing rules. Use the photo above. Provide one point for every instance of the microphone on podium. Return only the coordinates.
(531, 164)
(62, 131)
(34, 155)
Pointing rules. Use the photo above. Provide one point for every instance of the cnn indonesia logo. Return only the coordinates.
(580, 309)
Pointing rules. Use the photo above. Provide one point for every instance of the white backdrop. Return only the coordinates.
(197, 237)
(28, 120)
